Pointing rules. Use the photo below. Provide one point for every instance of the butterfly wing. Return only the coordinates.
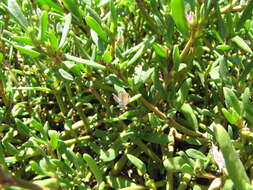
(116, 98)
(122, 99)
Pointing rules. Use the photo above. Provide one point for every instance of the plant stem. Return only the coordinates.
(100, 99)
(137, 187)
(228, 7)
(75, 140)
(119, 165)
(143, 8)
(2, 94)
(188, 45)
(78, 108)
(7, 180)
(168, 153)
(147, 150)
(60, 103)
(171, 122)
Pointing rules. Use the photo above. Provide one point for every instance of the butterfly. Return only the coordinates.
(122, 99)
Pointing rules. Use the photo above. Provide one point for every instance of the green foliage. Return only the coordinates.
(126, 94)
(233, 164)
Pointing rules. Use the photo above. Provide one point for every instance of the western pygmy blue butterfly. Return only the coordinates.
(122, 99)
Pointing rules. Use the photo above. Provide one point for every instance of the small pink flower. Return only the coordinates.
(190, 18)
(218, 158)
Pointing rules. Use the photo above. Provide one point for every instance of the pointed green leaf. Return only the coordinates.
(23, 127)
(158, 84)
(176, 58)
(85, 62)
(72, 6)
(195, 154)
(139, 53)
(231, 115)
(231, 100)
(178, 14)
(242, 44)
(159, 50)
(108, 155)
(174, 164)
(235, 168)
(43, 26)
(156, 138)
(137, 162)
(187, 110)
(37, 168)
(94, 25)
(183, 93)
(15, 11)
(118, 182)
(247, 105)
(34, 88)
(2, 156)
(141, 76)
(51, 4)
(66, 75)
(29, 50)
(93, 14)
(62, 165)
(93, 167)
(54, 138)
(65, 30)
(247, 13)
(186, 168)
(72, 157)
(36, 125)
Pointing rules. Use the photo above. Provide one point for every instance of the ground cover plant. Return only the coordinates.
(126, 94)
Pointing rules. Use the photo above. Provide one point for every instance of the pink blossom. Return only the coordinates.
(190, 18)
(218, 158)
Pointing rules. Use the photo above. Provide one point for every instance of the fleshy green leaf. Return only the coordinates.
(247, 13)
(43, 26)
(141, 50)
(231, 100)
(159, 50)
(195, 154)
(23, 127)
(183, 93)
(54, 138)
(119, 182)
(187, 110)
(141, 76)
(94, 25)
(137, 162)
(66, 75)
(247, 105)
(174, 164)
(34, 89)
(85, 62)
(93, 167)
(186, 168)
(178, 15)
(156, 138)
(108, 155)
(51, 4)
(231, 115)
(15, 11)
(65, 30)
(234, 165)
(242, 44)
(72, 6)
(29, 50)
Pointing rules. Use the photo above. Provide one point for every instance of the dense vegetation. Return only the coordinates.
(126, 94)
